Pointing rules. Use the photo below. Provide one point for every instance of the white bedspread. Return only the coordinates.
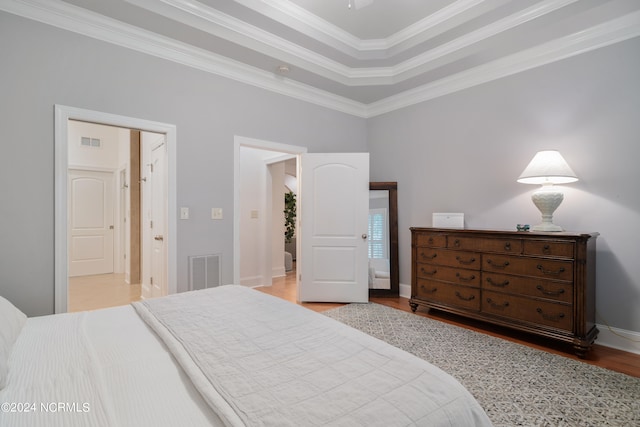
(100, 368)
(261, 361)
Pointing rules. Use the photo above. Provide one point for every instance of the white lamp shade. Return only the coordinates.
(547, 167)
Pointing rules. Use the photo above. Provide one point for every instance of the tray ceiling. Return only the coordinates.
(373, 57)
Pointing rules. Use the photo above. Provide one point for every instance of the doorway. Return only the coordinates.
(254, 223)
(168, 272)
(116, 214)
(334, 240)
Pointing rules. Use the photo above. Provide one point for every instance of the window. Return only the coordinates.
(378, 233)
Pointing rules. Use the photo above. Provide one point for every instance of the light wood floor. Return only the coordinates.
(606, 357)
(100, 291)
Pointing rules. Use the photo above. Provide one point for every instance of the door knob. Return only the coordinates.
(158, 237)
(364, 237)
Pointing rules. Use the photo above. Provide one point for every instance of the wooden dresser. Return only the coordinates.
(540, 283)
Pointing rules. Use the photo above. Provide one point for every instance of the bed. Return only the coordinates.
(227, 356)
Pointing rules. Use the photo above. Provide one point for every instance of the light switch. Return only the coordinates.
(216, 213)
(184, 213)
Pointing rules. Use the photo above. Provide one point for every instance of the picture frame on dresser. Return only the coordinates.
(535, 282)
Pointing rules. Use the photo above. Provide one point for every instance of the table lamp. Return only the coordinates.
(547, 168)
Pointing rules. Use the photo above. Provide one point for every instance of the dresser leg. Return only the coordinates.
(581, 349)
(413, 306)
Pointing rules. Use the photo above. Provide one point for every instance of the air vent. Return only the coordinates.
(204, 272)
(85, 141)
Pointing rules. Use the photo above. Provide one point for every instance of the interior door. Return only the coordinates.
(334, 207)
(91, 225)
(156, 212)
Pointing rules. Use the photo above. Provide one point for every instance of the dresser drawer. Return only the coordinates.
(470, 260)
(449, 294)
(540, 283)
(529, 310)
(503, 246)
(546, 248)
(448, 274)
(551, 290)
(431, 240)
(536, 267)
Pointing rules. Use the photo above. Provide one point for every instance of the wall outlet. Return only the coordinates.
(184, 213)
(216, 213)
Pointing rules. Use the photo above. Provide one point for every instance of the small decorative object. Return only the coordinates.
(547, 168)
(522, 227)
(447, 220)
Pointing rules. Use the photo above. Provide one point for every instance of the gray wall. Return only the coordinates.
(43, 66)
(463, 153)
(459, 153)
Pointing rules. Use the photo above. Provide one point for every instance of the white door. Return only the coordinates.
(333, 212)
(91, 226)
(157, 210)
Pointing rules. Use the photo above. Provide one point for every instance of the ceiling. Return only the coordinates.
(373, 57)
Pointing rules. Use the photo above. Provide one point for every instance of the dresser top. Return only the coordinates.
(509, 233)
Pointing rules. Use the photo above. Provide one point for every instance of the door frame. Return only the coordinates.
(62, 116)
(241, 141)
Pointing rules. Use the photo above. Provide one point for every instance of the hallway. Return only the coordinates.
(100, 291)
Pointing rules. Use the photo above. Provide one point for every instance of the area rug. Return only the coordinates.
(515, 384)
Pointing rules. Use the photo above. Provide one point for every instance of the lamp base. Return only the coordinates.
(546, 227)
(547, 198)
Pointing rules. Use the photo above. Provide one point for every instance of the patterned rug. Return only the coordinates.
(515, 384)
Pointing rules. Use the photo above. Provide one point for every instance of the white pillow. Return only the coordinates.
(11, 322)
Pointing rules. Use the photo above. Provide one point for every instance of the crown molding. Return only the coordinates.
(436, 57)
(81, 21)
(294, 16)
(601, 35)
(300, 19)
(311, 25)
(72, 18)
(214, 22)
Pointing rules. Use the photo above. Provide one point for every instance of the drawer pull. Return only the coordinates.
(428, 273)
(550, 293)
(469, 298)
(430, 240)
(465, 279)
(428, 257)
(466, 262)
(549, 272)
(429, 291)
(504, 264)
(499, 285)
(507, 246)
(551, 317)
(546, 249)
(495, 305)
(456, 243)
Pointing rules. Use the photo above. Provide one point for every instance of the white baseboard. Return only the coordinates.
(251, 281)
(620, 339)
(405, 290)
(278, 272)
